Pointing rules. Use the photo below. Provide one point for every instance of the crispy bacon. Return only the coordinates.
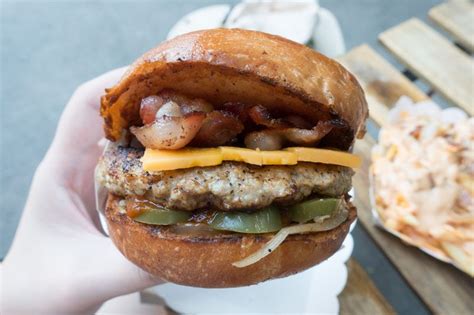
(299, 122)
(218, 128)
(240, 111)
(170, 129)
(172, 121)
(308, 136)
(150, 105)
(275, 139)
(261, 116)
(148, 108)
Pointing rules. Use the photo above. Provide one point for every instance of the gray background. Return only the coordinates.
(49, 47)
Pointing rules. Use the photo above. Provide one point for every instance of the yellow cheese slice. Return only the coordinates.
(163, 160)
(326, 156)
(278, 158)
(258, 157)
(241, 155)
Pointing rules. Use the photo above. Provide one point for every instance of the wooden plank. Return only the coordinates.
(443, 288)
(360, 296)
(456, 18)
(433, 58)
(382, 82)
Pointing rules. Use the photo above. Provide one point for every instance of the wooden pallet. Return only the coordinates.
(434, 59)
(450, 72)
(455, 17)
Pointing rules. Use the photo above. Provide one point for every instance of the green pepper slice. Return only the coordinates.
(162, 216)
(310, 209)
(264, 221)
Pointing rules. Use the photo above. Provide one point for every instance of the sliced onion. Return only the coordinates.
(169, 132)
(326, 225)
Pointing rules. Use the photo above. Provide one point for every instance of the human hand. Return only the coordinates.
(60, 262)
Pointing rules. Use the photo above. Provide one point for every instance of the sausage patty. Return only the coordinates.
(226, 187)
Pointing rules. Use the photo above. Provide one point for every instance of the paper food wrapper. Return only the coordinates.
(269, 16)
(425, 108)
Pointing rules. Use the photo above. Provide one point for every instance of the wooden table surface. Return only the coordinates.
(434, 59)
(450, 72)
(455, 17)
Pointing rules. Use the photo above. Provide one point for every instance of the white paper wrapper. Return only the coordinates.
(310, 23)
(426, 108)
(270, 16)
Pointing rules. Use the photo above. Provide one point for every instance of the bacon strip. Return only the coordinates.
(218, 128)
(275, 139)
(261, 116)
(150, 105)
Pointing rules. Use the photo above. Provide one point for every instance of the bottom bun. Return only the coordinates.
(205, 260)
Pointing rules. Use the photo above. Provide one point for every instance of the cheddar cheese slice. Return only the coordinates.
(163, 160)
(241, 155)
(258, 157)
(326, 156)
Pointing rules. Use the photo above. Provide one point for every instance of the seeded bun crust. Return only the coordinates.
(222, 65)
(206, 261)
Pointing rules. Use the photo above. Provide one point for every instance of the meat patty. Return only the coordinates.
(229, 186)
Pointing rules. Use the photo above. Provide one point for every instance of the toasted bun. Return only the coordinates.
(223, 65)
(206, 261)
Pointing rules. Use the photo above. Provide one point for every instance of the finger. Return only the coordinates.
(90, 92)
(74, 151)
(80, 125)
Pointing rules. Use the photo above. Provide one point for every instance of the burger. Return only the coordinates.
(229, 161)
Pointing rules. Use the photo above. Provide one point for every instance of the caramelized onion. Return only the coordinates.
(274, 139)
(326, 225)
(169, 132)
(218, 128)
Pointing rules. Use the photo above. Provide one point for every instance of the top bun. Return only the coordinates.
(222, 65)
